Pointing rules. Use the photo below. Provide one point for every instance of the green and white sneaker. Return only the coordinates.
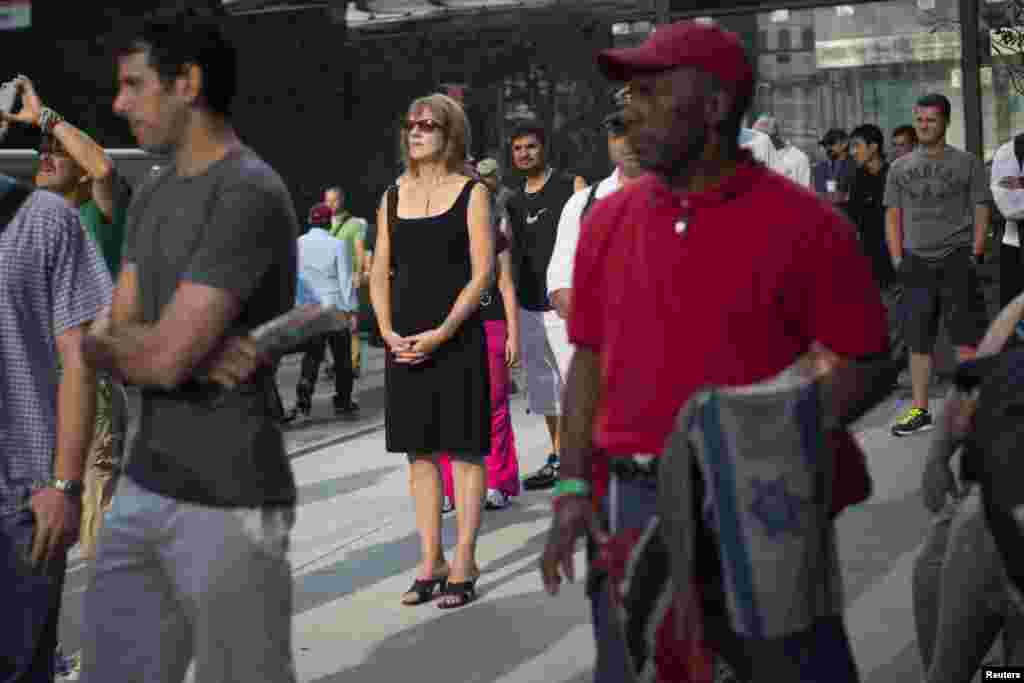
(916, 420)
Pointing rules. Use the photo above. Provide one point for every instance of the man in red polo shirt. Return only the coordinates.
(709, 270)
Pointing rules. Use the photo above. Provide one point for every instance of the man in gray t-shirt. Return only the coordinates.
(193, 560)
(937, 217)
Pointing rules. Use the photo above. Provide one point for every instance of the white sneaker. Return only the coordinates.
(447, 505)
(496, 500)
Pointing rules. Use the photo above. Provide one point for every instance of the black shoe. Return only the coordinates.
(545, 477)
(513, 388)
(357, 371)
(916, 420)
(303, 407)
(346, 410)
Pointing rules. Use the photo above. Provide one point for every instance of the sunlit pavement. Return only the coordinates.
(354, 551)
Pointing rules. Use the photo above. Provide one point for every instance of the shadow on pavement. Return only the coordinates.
(481, 642)
(366, 567)
(332, 488)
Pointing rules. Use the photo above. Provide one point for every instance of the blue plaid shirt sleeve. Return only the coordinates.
(81, 286)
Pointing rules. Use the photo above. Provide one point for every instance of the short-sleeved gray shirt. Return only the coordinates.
(233, 228)
(938, 196)
(52, 279)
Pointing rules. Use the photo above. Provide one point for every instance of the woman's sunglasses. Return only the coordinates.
(426, 125)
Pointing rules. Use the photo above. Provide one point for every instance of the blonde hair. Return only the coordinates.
(452, 117)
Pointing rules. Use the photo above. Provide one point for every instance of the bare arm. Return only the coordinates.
(79, 146)
(76, 407)
(982, 218)
(169, 352)
(481, 253)
(88, 154)
(1002, 328)
(380, 279)
(894, 234)
(126, 307)
(561, 300)
(359, 266)
(508, 293)
(582, 397)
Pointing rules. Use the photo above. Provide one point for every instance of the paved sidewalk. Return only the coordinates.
(354, 551)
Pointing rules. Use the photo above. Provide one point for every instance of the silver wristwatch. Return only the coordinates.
(69, 487)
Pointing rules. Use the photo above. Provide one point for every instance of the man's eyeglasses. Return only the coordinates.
(426, 125)
(614, 125)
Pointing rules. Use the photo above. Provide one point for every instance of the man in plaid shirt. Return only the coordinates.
(53, 283)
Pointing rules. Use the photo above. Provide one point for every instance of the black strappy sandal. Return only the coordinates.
(425, 590)
(463, 591)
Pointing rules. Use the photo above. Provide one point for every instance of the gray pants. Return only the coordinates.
(175, 581)
(961, 601)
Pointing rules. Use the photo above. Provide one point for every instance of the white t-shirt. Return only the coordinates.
(1010, 202)
(794, 164)
(568, 236)
(759, 144)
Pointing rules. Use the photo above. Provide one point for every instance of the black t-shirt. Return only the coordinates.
(232, 228)
(866, 210)
(534, 226)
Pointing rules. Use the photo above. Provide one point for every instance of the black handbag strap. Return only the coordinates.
(12, 195)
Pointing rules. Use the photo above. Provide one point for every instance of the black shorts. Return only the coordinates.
(946, 287)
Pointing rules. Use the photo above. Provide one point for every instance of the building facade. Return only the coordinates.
(323, 86)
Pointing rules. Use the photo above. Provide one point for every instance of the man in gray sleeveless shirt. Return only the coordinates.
(192, 562)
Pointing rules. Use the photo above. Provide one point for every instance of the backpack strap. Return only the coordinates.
(590, 200)
(11, 198)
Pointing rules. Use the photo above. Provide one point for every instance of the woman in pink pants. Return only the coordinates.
(498, 308)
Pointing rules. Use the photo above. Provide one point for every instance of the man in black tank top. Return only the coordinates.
(534, 212)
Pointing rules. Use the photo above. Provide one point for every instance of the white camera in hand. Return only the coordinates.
(8, 95)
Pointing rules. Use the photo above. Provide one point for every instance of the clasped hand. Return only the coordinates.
(234, 362)
(416, 348)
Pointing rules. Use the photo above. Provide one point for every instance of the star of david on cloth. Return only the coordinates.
(776, 508)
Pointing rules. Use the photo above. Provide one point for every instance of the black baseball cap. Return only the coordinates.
(833, 136)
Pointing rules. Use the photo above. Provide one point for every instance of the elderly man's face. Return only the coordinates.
(668, 118)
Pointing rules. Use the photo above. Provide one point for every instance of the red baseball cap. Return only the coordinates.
(684, 43)
(320, 215)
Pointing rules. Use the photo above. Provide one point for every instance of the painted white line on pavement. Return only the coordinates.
(881, 621)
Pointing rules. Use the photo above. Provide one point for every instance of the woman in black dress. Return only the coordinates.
(433, 261)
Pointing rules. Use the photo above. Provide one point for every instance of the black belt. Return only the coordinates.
(634, 467)
(196, 390)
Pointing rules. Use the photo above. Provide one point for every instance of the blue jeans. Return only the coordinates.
(30, 602)
(628, 505)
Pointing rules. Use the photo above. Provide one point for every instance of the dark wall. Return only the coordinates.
(323, 109)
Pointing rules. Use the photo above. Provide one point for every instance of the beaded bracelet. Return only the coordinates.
(48, 120)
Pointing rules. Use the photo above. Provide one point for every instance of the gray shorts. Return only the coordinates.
(176, 582)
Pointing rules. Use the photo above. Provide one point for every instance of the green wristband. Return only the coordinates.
(571, 487)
